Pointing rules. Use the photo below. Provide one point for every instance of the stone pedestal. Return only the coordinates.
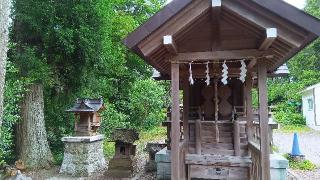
(163, 161)
(278, 167)
(83, 155)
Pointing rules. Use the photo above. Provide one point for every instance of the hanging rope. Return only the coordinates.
(207, 74)
(243, 72)
(190, 77)
(225, 72)
(216, 112)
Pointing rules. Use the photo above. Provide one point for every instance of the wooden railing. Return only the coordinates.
(255, 171)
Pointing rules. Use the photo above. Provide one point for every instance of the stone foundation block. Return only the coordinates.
(163, 164)
(83, 155)
(278, 167)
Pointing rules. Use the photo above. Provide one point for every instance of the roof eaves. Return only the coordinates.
(155, 22)
(311, 88)
(292, 14)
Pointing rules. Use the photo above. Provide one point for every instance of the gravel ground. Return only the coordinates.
(309, 146)
(308, 141)
(140, 173)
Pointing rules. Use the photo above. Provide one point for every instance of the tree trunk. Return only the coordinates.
(4, 32)
(32, 145)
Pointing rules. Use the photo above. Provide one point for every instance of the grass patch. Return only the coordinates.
(153, 134)
(108, 149)
(57, 157)
(304, 165)
(293, 129)
(275, 148)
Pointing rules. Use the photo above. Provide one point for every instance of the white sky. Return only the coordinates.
(298, 3)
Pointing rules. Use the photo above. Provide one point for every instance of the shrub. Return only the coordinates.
(304, 165)
(288, 115)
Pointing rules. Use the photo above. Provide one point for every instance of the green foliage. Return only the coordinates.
(157, 133)
(14, 90)
(287, 115)
(74, 48)
(285, 93)
(305, 165)
(294, 128)
(152, 135)
(146, 104)
(275, 148)
(108, 149)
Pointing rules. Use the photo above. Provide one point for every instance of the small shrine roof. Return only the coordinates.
(87, 105)
(124, 135)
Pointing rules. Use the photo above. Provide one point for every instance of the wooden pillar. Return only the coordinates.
(236, 138)
(198, 136)
(263, 116)
(186, 94)
(175, 122)
(249, 110)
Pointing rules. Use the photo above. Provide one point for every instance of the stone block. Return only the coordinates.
(163, 161)
(83, 156)
(278, 167)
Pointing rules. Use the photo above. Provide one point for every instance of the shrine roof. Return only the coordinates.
(87, 105)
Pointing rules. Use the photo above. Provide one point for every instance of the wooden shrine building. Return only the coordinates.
(216, 52)
(87, 116)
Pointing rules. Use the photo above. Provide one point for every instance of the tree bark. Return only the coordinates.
(4, 33)
(32, 145)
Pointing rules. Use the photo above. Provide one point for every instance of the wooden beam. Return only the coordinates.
(263, 22)
(252, 63)
(218, 160)
(216, 18)
(271, 35)
(264, 121)
(169, 44)
(175, 122)
(214, 72)
(221, 55)
(186, 17)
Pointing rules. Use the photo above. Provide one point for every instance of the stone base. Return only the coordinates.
(121, 167)
(163, 164)
(83, 156)
(278, 167)
(297, 157)
(151, 166)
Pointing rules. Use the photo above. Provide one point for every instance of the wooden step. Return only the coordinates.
(227, 146)
(213, 133)
(216, 151)
(208, 139)
(218, 160)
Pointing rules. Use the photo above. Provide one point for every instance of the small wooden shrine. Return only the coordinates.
(83, 153)
(87, 116)
(122, 163)
(215, 52)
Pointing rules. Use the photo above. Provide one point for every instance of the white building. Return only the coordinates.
(311, 106)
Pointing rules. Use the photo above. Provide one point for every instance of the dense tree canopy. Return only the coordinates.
(74, 49)
(304, 68)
